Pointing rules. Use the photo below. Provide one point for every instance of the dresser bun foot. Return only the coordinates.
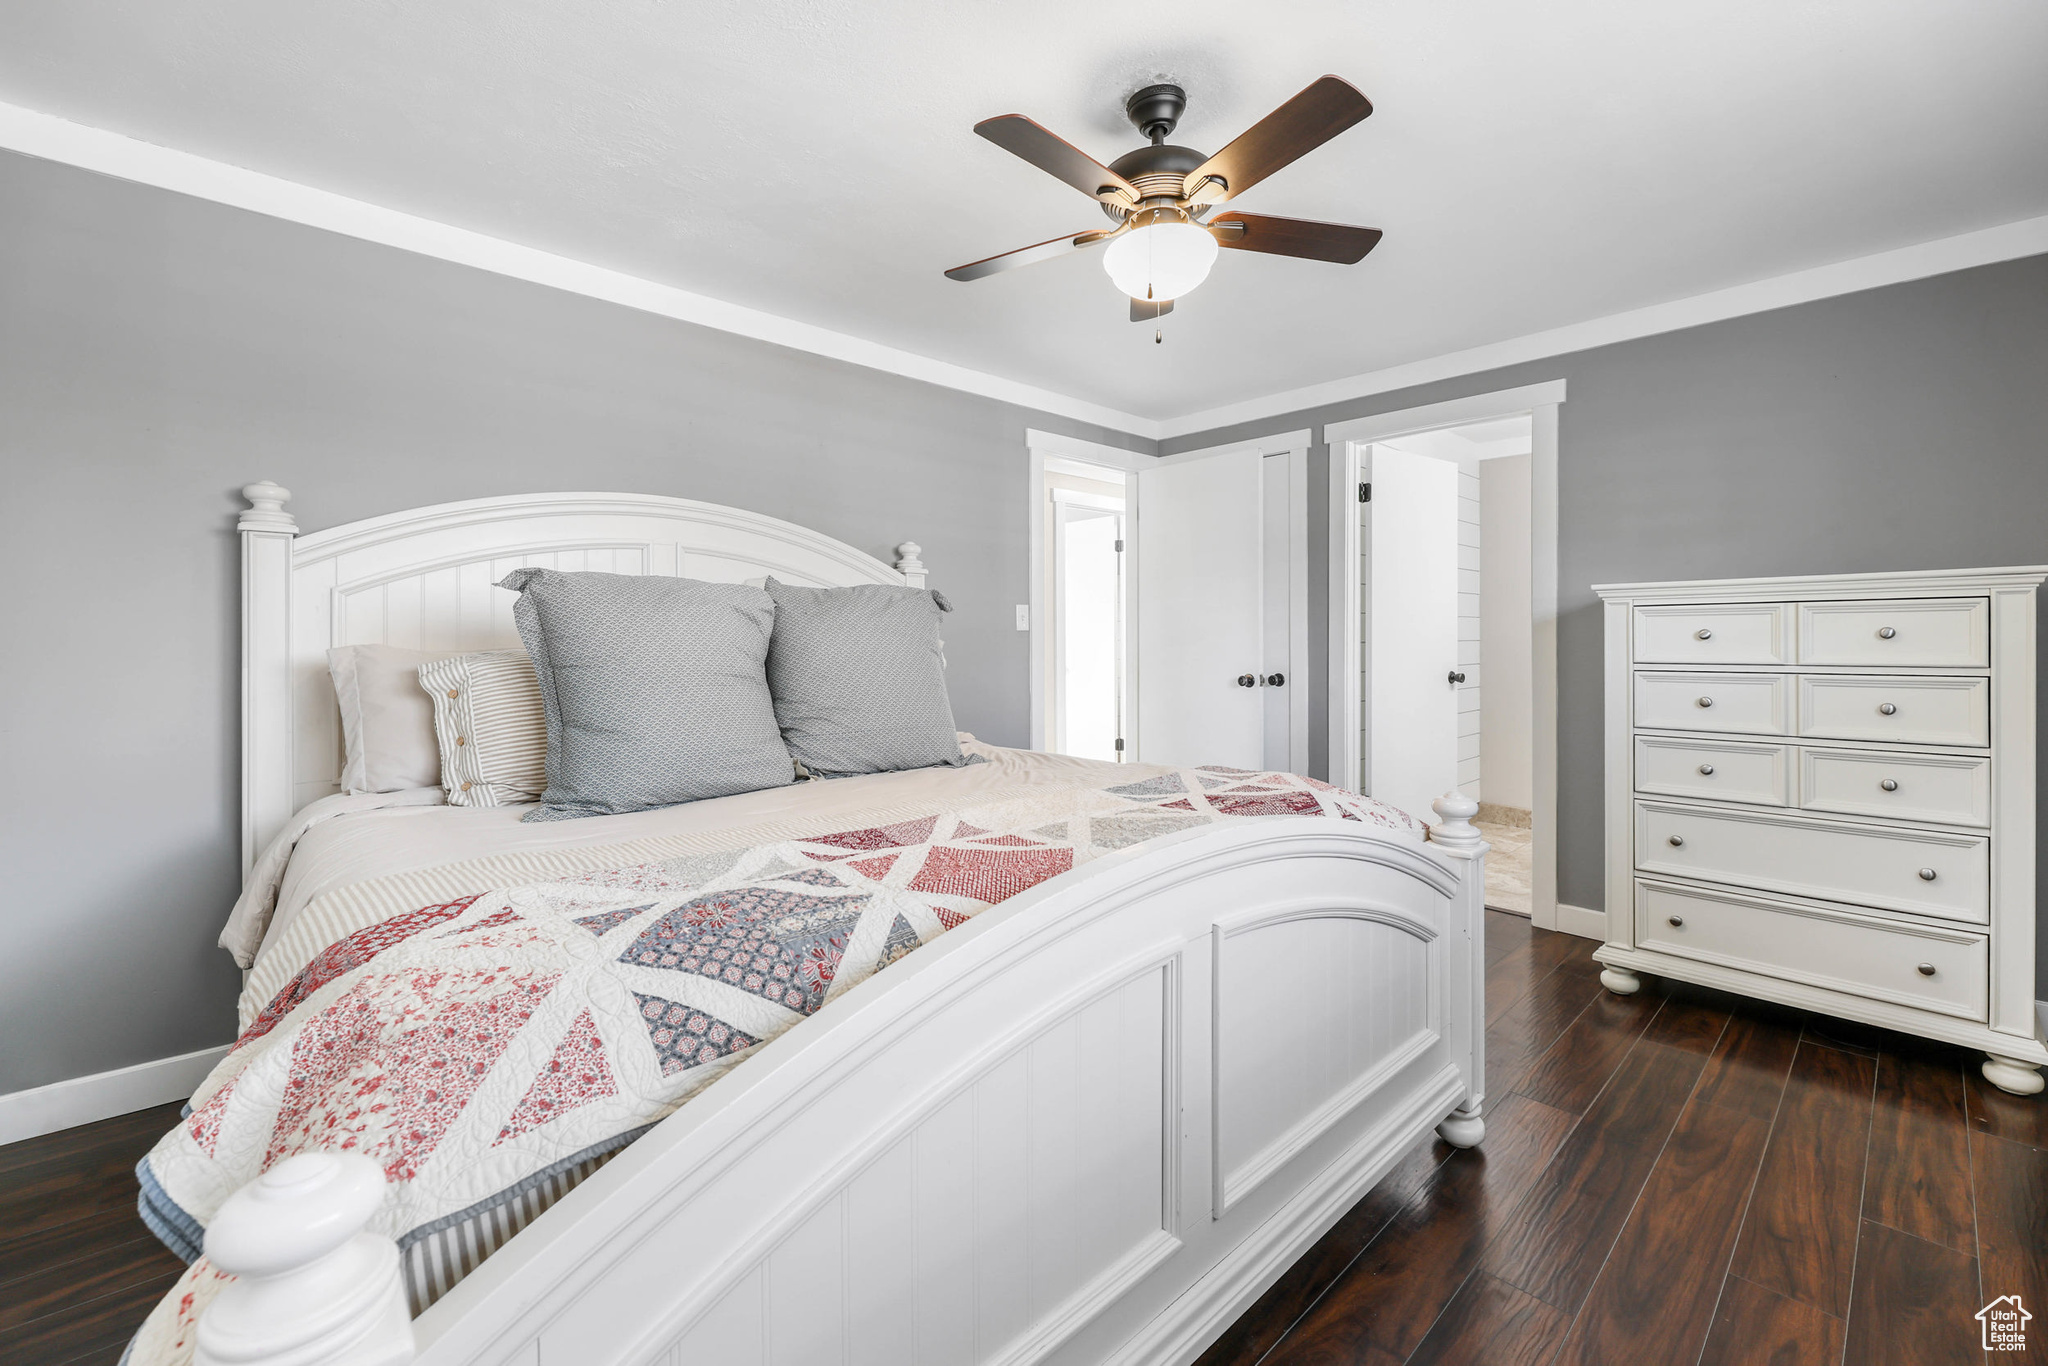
(2010, 1074)
(1463, 1129)
(1620, 981)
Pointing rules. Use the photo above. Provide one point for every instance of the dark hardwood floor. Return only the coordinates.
(77, 1269)
(1678, 1176)
(1681, 1176)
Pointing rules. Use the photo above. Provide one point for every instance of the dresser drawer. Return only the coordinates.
(1861, 864)
(1755, 703)
(1732, 633)
(1914, 787)
(1942, 633)
(1820, 948)
(1722, 769)
(1920, 711)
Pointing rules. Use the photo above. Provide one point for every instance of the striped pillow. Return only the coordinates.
(490, 727)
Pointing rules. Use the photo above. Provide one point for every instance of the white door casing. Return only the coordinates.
(1347, 443)
(1255, 550)
(1411, 628)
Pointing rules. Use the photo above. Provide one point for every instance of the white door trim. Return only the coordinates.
(1042, 447)
(1346, 441)
(1294, 447)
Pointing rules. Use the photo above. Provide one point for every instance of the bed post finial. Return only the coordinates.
(908, 565)
(1455, 834)
(266, 508)
(310, 1285)
(267, 535)
(1454, 829)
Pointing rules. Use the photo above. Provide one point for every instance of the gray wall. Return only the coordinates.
(158, 352)
(1898, 429)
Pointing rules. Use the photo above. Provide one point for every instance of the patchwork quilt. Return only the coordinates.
(492, 1048)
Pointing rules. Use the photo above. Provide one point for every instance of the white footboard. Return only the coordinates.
(1092, 1125)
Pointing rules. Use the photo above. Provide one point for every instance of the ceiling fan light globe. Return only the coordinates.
(1160, 261)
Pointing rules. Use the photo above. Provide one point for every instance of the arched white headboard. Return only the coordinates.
(425, 579)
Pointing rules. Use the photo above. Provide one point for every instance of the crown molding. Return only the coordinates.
(2010, 241)
(49, 138)
(124, 158)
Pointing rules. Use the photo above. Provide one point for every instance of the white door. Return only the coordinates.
(1201, 539)
(1410, 738)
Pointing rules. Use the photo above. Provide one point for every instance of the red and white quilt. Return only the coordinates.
(481, 1045)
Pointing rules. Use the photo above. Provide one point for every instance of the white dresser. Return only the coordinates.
(1820, 791)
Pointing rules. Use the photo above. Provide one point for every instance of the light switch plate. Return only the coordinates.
(1023, 616)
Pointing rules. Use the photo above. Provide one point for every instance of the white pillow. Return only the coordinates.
(387, 723)
(489, 727)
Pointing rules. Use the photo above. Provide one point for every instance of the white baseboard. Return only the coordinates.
(81, 1100)
(1581, 922)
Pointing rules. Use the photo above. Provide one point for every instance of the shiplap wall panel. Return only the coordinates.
(1471, 651)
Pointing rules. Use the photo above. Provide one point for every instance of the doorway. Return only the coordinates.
(1445, 640)
(1084, 603)
(1200, 618)
(1443, 611)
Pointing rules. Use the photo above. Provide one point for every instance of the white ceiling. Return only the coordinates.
(1532, 165)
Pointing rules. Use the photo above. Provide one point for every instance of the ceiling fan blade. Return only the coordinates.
(1145, 310)
(1293, 130)
(1057, 157)
(1031, 255)
(1338, 242)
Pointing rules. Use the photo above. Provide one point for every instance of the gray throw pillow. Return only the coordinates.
(859, 679)
(653, 689)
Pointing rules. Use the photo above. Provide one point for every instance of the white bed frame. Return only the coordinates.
(1091, 1125)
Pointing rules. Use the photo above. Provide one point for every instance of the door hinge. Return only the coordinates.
(1119, 745)
(1365, 493)
(1119, 546)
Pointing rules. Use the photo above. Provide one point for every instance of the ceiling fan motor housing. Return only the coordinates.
(1157, 172)
(1154, 110)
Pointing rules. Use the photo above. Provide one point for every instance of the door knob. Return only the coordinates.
(1457, 677)
(1247, 681)
(1276, 680)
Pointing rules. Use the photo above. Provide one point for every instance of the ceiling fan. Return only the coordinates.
(1160, 196)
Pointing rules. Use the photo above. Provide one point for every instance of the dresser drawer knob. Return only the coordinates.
(1706, 702)
(1886, 633)
(1678, 841)
(1706, 770)
(1887, 708)
(1703, 634)
(1889, 784)
(1677, 921)
(1927, 875)
(1927, 969)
